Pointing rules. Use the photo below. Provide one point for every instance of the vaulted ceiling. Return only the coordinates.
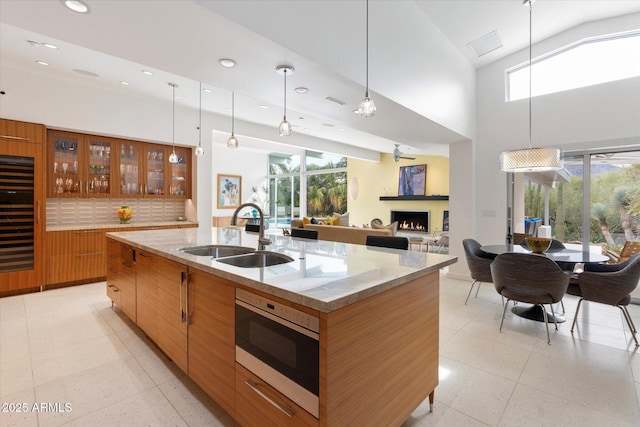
(182, 41)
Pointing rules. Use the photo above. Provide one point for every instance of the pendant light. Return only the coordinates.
(285, 127)
(173, 157)
(531, 159)
(367, 107)
(232, 142)
(200, 150)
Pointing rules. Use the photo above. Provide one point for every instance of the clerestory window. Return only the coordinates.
(585, 63)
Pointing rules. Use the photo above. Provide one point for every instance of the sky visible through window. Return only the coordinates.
(586, 63)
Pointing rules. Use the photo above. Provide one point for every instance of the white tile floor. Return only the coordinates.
(89, 365)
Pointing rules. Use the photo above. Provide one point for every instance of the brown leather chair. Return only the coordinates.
(611, 288)
(479, 263)
(529, 278)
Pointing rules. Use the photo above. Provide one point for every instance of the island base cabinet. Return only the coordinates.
(379, 356)
(259, 404)
(121, 277)
(212, 336)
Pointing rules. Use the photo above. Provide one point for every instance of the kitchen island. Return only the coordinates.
(376, 309)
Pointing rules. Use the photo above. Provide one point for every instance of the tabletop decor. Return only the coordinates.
(125, 213)
(538, 245)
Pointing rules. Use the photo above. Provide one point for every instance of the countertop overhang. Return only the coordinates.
(324, 276)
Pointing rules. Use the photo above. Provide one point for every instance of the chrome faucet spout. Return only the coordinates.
(262, 241)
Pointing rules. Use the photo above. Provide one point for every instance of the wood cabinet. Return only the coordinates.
(147, 293)
(145, 171)
(172, 300)
(212, 336)
(76, 255)
(22, 205)
(162, 304)
(259, 404)
(80, 165)
(83, 165)
(121, 276)
(80, 256)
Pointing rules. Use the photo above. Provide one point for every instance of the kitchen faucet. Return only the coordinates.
(262, 241)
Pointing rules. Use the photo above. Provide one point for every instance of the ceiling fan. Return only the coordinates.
(397, 154)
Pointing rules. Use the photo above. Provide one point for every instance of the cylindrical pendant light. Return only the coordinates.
(531, 159)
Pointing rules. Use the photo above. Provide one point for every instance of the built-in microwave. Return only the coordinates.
(280, 345)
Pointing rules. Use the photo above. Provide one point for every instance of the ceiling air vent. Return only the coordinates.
(337, 101)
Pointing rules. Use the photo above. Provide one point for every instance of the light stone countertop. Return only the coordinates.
(324, 275)
(118, 225)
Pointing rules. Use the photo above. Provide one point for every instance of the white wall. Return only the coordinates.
(604, 115)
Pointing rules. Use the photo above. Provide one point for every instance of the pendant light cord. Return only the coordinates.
(367, 53)
(285, 94)
(200, 119)
(530, 67)
(233, 109)
(173, 127)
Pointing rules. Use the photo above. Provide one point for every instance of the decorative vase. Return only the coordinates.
(125, 213)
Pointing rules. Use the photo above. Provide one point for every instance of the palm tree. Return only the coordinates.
(599, 211)
(621, 203)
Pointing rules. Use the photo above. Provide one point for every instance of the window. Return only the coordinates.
(585, 63)
(322, 183)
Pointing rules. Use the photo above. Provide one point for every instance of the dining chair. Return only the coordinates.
(304, 234)
(529, 278)
(611, 287)
(479, 263)
(442, 242)
(394, 242)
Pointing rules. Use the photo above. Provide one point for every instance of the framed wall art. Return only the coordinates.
(229, 191)
(412, 181)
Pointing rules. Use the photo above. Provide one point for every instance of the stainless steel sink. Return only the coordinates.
(217, 251)
(257, 259)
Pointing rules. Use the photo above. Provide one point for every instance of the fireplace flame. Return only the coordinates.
(410, 226)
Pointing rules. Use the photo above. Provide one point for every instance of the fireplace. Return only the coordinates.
(417, 221)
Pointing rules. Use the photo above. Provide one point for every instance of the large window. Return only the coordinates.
(314, 185)
(585, 63)
(601, 204)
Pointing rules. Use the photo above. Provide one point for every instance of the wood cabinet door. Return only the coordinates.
(180, 174)
(22, 205)
(212, 336)
(172, 310)
(147, 293)
(121, 274)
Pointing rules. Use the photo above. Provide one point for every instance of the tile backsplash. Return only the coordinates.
(104, 211)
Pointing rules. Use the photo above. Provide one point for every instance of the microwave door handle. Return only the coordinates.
(288, 411)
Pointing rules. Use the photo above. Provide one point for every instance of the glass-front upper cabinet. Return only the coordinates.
(79, 165)
(180, 185)
(129, 160)
(155, 184)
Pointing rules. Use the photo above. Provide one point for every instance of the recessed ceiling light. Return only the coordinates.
(147, 72)
(50, 46)
(76, 5)
(32, 43)
(301, 89)
(207, 90)
(227, 63)
(265, 107)
(124, 83)
(42, 63)
(329, 125)
(178, 97)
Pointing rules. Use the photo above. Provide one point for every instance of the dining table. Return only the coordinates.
(566, 258)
